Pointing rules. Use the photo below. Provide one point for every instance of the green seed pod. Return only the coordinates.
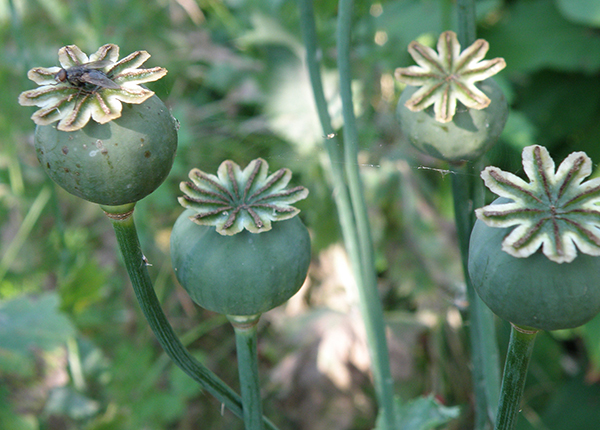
(239, 249)
(241, 274)
(534, 291)
(115, 163)
(468, 136)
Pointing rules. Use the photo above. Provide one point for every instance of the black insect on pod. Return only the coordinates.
(128, 149)
(89, 73)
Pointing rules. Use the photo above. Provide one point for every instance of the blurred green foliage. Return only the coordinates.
(75, 353)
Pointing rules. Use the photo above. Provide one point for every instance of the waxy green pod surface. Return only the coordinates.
(535, 291)
(115, 163)
(243, 274)
(468, 136)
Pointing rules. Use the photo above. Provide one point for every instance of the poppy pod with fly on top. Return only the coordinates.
(127, 149)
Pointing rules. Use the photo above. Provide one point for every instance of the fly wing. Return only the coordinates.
(96, 77)
(98, 64)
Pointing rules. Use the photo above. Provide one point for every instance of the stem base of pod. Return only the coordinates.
(520, 348)
(247, 356)
(118, 213)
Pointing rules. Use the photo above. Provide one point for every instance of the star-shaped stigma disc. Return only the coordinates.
(555, 210)
(237, 199)
(448, 75)
(88, 87)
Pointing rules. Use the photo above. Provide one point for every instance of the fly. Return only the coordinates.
(86, 74)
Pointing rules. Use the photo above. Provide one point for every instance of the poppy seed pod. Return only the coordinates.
(115, 163)
(534, 252)
(469, 135)
(533, 292)
(239, 249)
(242, 274)
(429, 111)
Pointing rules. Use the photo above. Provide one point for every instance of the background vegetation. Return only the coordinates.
(75, 352)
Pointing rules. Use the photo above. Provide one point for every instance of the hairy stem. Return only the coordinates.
(127, 238)
(332, 144)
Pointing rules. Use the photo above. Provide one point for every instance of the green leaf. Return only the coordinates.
(533, 35)
(572, 406)
(10, 419)
(562, 106)
(423, 413)
(268, 31)
(137, 384)
(585, 12)
(67, 401)
(519, 131)
(27, 322)
(82, 287)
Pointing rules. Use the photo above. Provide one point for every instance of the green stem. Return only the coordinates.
(245, 341)
(332, 145)
(466, 22)
(349, 216)
(468, 194)
(127, 238)
(351, 137)
(369, 297)
(520, 348)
